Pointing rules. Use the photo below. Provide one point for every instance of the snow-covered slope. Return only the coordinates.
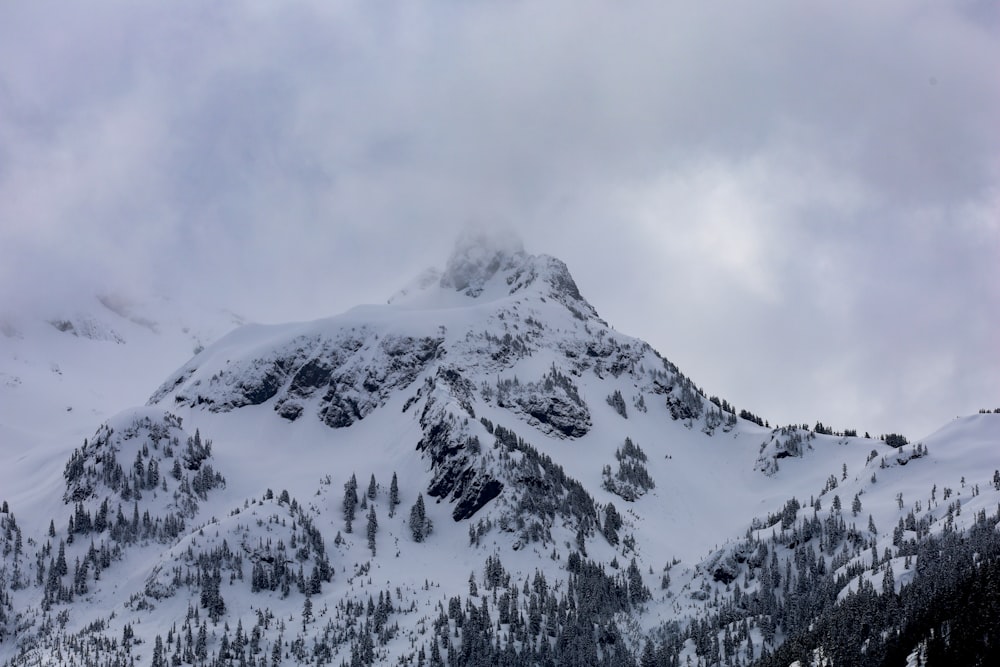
(63, 369)
(479, 471)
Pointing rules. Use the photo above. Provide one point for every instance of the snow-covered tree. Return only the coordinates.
(420, 525)
(372, 528)
(350, 502)
(393, 495)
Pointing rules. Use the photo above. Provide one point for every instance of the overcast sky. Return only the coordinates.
(796, 202)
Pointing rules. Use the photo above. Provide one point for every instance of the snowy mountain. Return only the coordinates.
(480, 471)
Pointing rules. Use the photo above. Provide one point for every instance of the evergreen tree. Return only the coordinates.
(350, 502)
(153, 474)
(372, 488)
(307, 611)
(612, 522)
(201, 645)
(61, 568)
(420, 525)
(393, 495)
(372, 528)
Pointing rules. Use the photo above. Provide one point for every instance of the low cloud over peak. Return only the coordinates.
(792, 193)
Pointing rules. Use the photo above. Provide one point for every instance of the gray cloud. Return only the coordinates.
(796, 203)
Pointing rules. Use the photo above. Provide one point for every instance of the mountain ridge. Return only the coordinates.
(608, 506)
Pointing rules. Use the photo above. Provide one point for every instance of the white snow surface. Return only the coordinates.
(508, 325)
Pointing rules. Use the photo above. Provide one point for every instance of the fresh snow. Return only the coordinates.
(499, 335)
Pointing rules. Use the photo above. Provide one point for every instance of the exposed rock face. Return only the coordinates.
(354, 390)
(726, 564)
(354, 372)
(454, 453)
(553, 403)
(561, 415)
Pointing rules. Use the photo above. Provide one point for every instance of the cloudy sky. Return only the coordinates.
(795, 202)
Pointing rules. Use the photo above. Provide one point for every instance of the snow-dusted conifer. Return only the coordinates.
(350, 502)
(393, 495)
(372, 528)
(420, 525)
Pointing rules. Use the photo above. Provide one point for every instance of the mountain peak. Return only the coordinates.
(490, 264)
(477, 256)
